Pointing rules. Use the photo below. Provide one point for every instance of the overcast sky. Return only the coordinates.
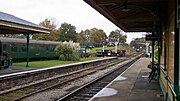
(75, 12)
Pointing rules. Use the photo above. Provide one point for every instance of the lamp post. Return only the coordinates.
(103, 48)
(87, 41)
(116, 43)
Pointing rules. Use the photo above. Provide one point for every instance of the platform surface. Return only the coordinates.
(132, 85)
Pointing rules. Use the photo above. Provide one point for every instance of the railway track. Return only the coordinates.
(13, 81)
(51, 83)
(85, 92)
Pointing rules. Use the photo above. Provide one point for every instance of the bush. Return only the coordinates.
(67, 52)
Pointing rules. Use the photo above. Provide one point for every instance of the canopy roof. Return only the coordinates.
(132, 15)
(10, 24)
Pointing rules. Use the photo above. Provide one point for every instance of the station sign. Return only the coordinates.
(151, 38)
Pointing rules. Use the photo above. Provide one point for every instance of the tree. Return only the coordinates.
(118, 35)
(92, 37)
(83, 38)
(51, 24)
(98, 36)
(67, 32)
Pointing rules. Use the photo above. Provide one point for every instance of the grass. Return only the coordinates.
(93, 50)
(50, 63)
(128, 49)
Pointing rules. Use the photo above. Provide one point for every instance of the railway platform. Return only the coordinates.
(132, 85)
(14, 69)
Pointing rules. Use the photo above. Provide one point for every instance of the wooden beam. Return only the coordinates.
(113, 2)
(135, 20)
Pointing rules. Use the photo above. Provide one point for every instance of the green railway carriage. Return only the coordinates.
(38, 49)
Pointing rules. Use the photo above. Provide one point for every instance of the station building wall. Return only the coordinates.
(167, 53)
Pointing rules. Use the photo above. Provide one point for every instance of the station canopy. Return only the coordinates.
(9, 24)
(132, 15)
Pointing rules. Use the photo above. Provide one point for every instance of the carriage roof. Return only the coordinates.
(23, 41)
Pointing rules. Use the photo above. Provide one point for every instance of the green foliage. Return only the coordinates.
(67, 32)
(67, 52)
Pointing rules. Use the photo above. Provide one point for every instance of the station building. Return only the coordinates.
(162, 19)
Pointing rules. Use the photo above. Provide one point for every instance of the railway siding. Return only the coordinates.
(13, 81)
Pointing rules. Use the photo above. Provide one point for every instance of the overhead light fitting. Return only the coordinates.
(125, 9)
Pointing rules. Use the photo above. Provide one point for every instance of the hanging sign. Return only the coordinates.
(151, 38)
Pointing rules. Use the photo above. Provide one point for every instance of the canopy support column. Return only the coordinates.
(153, 42)
(27, 52)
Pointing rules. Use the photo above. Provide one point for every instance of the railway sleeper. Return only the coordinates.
(98, 87)
(95, 89)
(104, 83)
(87, 95)
(93, 92)
(77, 98)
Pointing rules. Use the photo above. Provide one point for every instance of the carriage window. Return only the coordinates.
(42, 47)
(33, 47)
(4, 47)
(13, 48)
(51, 48)
(24, 48)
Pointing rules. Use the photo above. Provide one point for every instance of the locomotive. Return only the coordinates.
(13, 49)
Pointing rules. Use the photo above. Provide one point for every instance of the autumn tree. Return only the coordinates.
(98, 36)
(51, 24)
(84, 37)
(92, 37)
(67, 32)
(118, 35)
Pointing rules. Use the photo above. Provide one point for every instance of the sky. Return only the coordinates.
(75, 12)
